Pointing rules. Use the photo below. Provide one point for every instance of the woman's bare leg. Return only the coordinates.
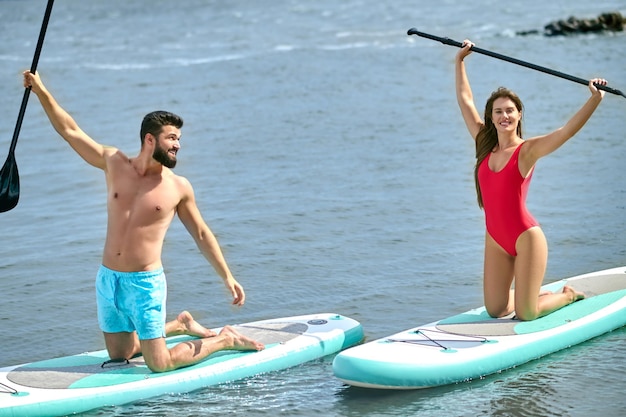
(497, 279)
(530, 269)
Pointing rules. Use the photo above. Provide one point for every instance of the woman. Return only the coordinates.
(515, 246)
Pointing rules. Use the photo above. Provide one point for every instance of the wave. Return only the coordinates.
(11, 58)
(279, 48)
(178, 62)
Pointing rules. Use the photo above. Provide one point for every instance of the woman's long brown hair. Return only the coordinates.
(487, 137)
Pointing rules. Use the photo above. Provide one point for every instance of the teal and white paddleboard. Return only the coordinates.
(471, 345)
(74, 384)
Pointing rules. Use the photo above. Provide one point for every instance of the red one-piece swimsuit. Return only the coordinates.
(504, 201)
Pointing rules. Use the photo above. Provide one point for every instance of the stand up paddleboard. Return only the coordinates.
(472, 345)
(74, 384)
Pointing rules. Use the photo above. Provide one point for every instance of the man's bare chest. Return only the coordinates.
(146, 199)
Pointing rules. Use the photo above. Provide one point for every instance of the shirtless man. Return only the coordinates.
(143, 195)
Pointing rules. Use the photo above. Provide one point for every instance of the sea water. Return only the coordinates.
(328, 155)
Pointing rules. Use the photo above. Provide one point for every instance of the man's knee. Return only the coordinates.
(159, 365)
(156, 355)
(121, 345)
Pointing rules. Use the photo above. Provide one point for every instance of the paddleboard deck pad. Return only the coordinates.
(472, 345)
(78, 383)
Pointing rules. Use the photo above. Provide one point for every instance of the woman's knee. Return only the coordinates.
(497, 310)
(526, 315)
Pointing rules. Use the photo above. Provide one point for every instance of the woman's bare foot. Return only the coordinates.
(241, 342)
(185, 324)
(576, 295)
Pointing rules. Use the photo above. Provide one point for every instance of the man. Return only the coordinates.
(143, 197)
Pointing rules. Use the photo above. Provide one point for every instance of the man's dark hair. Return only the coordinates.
(153, 123)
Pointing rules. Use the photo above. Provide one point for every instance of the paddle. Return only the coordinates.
(448, 41)
(9, 176)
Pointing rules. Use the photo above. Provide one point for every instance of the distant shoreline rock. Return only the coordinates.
(605, 22)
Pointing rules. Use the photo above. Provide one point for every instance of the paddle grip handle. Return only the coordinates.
(33, 68)
(42, 35)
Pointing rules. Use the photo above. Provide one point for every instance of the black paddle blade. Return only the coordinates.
(9, 184)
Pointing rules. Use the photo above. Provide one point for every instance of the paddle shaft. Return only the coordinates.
(448, 41)
(33, 68)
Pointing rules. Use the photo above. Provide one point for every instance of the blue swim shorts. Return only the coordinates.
(132, 301)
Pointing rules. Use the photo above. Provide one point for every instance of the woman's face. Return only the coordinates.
(505, 115)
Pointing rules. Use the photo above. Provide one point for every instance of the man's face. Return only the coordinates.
(167, 145)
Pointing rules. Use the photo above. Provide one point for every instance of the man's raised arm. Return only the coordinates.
(90, 150)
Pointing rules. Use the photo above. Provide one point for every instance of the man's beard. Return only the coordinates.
(161, 156)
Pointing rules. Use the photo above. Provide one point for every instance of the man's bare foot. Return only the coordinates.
(576, 295)
(185, 324)
(241, 342)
